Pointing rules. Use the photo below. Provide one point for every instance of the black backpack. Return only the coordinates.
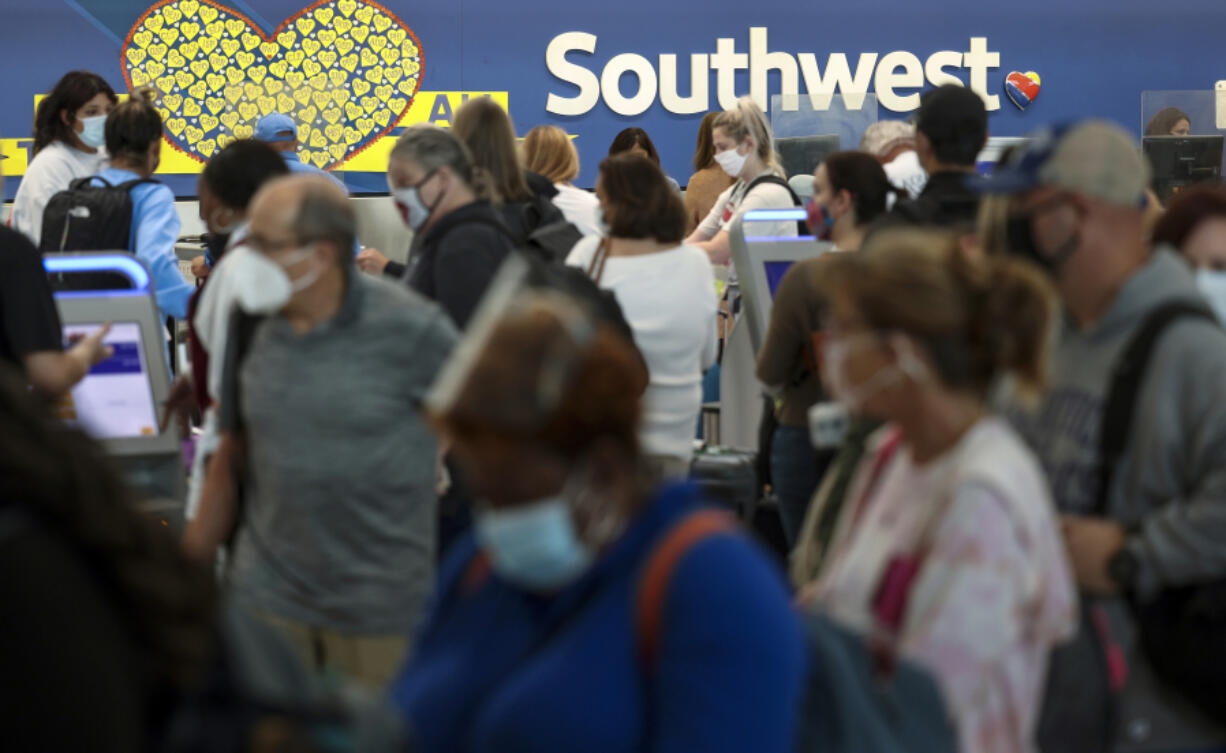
(1179, 633)
(86, 217)
(540, 227)
(802, 226)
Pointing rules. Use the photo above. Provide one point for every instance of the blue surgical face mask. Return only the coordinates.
(1212, 284)
(94, 134)
(534, 546)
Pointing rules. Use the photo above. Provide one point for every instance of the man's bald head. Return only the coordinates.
(300, 209)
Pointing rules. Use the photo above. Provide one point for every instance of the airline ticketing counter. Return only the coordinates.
(120, 402)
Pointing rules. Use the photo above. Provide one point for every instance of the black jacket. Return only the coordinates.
(946, 202)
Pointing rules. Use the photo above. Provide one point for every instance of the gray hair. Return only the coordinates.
(325, 215)
(431, 148)
(881, 137)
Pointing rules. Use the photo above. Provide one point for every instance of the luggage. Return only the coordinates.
(728, 478)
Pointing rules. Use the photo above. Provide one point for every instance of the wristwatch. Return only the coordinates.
(1123, 568)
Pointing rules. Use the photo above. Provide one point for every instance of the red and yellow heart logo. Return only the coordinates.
(1022, 88)
(346, 71)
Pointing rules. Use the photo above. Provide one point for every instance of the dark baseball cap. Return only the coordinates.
(952, 115)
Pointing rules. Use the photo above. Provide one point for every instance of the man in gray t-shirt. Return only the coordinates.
(321, 421)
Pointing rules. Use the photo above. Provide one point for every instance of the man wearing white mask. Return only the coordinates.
(459, 241)
(334, 542)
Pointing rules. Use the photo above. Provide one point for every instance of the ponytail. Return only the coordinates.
(1012, 320)
(133, 126)
(862, 176)
(747, 119)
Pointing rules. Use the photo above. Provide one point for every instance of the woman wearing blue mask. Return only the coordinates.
(850, 191)
(69, 143)
(574, 618)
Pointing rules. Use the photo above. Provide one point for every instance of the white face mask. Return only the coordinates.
(262, 286)
(834, 358)
(416, 211)
(94, 134)
(732, 161)
(828, 424)
(1212, 284)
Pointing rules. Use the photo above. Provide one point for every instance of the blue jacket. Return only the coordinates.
(155, 229)
(501, 670)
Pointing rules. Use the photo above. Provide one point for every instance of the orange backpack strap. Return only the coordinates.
(658, 574)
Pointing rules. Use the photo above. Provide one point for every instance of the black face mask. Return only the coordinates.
(215, 245)
(1019, 235)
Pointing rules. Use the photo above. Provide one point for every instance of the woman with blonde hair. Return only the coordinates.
(948, 552)
(745, 150)
(548, 151)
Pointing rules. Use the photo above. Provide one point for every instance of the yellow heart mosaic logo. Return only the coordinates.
(216, 74)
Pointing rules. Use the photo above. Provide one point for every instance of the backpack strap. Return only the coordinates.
(130, 184)
(658, 574)
(1126, 380)
(801, 226)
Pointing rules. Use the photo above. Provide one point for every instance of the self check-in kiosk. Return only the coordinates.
(120, 402)
(761, 263)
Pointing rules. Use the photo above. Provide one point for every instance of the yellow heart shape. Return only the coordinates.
(155, 22)
(190, 50)
(279, 68)
(409, 49)
(272, 86)
(208, 122)
(369, 58)
(321, 99)
(411, 67)
(245, 59)
(334, 132)
(337, 150)
(216, 81)
(216, 29)
(382, 23)
(207, 14)
(360, 33)
(333, 116)
(310, 46)
(287, 39)
(248, 110)
(383, 118)
(235, 75)
(318, 139)
(295, 58)
(284, 102)
(267, 105)
(191, 31)
(229, 46)
(383, 92)
(172, 14)
(365, 14)
(340, 96)
(304, 134)
(350, 63)
(320, 82)
(392, 74)
(257, 73)
(397, 36)
(327, 37)
(184, 78)
(370, 104)
(305, 25)
(398, 105)
(303, 95)
(244, 131)
(154, 69)
(194, 133)
(229, 119)
(215, 104)
(344, 45)
(206, 147)
(352, 111)
(208, 44)
(219, 62)
(375, 75)
(352, 135)
(142, 39)
(233, 93)
(361, 87)
(189, 7)
(252, 90)
(191, 108)
(294, 79)
(169, 36)
(176, 125)
(319, 159)
(136, 55)
(158, 51)
(324, 15)
(377, 43)
(235, 26)
(366, 125)
(307, 115)
(337, 76)
(225, 140)
(347, 6)
(200, 67)
(166, 84)
(312, 68)
(390, 55)
(328, 58)
(250, 41)
(269, 49)
(342, 25)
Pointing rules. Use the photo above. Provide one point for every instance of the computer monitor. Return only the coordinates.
(1182, 161)
(994, 149)
(802, 154)
(121, 399)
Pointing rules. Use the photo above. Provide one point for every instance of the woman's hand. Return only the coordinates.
(371, 261)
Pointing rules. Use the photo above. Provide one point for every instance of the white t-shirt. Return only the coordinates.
(580, 208)
(668, 298)
(733, 203)
(50, 172)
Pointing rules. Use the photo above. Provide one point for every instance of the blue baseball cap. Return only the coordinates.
(276, 127)
(1092, 157)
